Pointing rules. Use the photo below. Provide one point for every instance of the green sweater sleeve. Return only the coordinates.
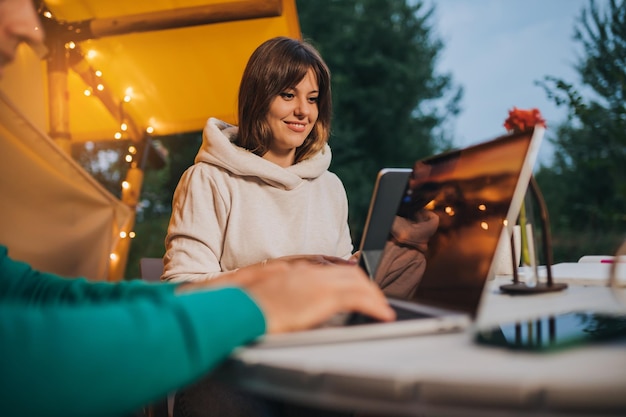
(111, 356)
(18, 281)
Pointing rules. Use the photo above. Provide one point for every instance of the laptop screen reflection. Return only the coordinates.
(448, 224)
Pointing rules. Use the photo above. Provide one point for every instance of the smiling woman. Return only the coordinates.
(263, 190)
(260, 191)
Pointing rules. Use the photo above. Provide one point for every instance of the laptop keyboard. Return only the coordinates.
(401, 314)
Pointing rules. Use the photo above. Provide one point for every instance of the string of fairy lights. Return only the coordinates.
(132, 151)
(96, 87)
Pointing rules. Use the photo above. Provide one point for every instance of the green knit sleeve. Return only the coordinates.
(108, 359)
(74, 348)
(18, 281)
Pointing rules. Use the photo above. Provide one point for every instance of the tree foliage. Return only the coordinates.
(104, 160)
(156, 198)
(389, 103)
(585, 187)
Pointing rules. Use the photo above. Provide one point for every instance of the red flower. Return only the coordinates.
(520, 120)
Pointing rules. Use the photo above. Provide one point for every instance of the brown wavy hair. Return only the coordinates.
(276, 65)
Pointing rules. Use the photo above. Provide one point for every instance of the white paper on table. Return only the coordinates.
(592, 273)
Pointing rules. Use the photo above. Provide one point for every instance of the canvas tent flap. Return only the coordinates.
(53, 214)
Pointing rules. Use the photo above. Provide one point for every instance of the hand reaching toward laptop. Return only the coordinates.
(297, 295)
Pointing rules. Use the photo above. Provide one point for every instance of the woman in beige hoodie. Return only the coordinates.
(260, 191)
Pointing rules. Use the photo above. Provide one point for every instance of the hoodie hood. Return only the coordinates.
(217, 149)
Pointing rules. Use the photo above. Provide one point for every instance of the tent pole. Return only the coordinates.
(58, 105)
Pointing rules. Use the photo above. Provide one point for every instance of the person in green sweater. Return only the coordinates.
(70, 347)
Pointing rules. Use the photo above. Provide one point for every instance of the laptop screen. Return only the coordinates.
(446, 230)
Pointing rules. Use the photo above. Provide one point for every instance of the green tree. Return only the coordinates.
(389, 103)
(156, 199)
(104, 160)
(585, 187)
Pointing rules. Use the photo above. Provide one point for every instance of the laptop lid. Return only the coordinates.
(472, 193)
(444, 236)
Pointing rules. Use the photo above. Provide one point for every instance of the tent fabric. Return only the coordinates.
(54, 215)
(176, 78)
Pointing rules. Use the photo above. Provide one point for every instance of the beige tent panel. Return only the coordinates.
(54, 215)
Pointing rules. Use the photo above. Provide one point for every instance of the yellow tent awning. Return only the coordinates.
(175, 78)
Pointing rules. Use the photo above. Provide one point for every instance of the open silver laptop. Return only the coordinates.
(439, 250)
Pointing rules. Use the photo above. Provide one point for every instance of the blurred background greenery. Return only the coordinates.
(392, 106)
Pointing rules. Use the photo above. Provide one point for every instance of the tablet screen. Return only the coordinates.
(556, 331)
